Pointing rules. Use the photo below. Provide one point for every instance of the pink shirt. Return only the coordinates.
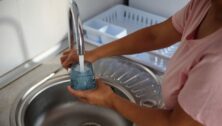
(194, 75)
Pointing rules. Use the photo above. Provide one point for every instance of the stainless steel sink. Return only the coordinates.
(49, 104)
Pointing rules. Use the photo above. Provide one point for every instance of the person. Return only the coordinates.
(192, 84)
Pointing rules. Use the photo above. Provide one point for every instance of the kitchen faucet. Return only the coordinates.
(75, 33)
(80, 79)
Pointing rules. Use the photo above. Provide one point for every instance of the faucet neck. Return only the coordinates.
(75, 33)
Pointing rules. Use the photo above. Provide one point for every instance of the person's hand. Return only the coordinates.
(70, 56)
(101, 96)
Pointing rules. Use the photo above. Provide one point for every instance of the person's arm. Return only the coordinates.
(147, 39)
(142, 116)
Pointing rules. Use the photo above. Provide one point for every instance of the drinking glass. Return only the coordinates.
(82, 80)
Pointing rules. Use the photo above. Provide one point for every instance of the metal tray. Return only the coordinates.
(137, 79)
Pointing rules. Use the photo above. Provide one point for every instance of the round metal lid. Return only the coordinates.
(135, 78)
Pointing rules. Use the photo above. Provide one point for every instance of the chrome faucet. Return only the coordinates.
(75, 33)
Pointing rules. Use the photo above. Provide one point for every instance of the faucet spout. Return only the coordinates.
(75, 33)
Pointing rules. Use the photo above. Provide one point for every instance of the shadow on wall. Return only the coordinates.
(18, 30)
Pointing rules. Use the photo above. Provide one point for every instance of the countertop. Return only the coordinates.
(9, 93)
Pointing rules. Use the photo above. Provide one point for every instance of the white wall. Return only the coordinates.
(11, 52)
(29, 27)
(164, 8)
(44, 23)
(90, 8)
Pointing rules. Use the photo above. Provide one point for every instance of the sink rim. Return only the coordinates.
(49, 80)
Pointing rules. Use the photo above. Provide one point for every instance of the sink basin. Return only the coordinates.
(49, 104)
(54, 106)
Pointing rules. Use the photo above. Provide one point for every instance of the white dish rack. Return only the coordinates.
(120, 21)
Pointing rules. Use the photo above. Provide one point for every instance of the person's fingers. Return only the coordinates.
(69, 51)
(67, 63)
(79, 94)
(83, 100)
(100, 83)
(70, 59)
(80, 98)
(66, 52)
(63, 58)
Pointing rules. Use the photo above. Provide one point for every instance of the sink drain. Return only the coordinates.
(91, 124)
